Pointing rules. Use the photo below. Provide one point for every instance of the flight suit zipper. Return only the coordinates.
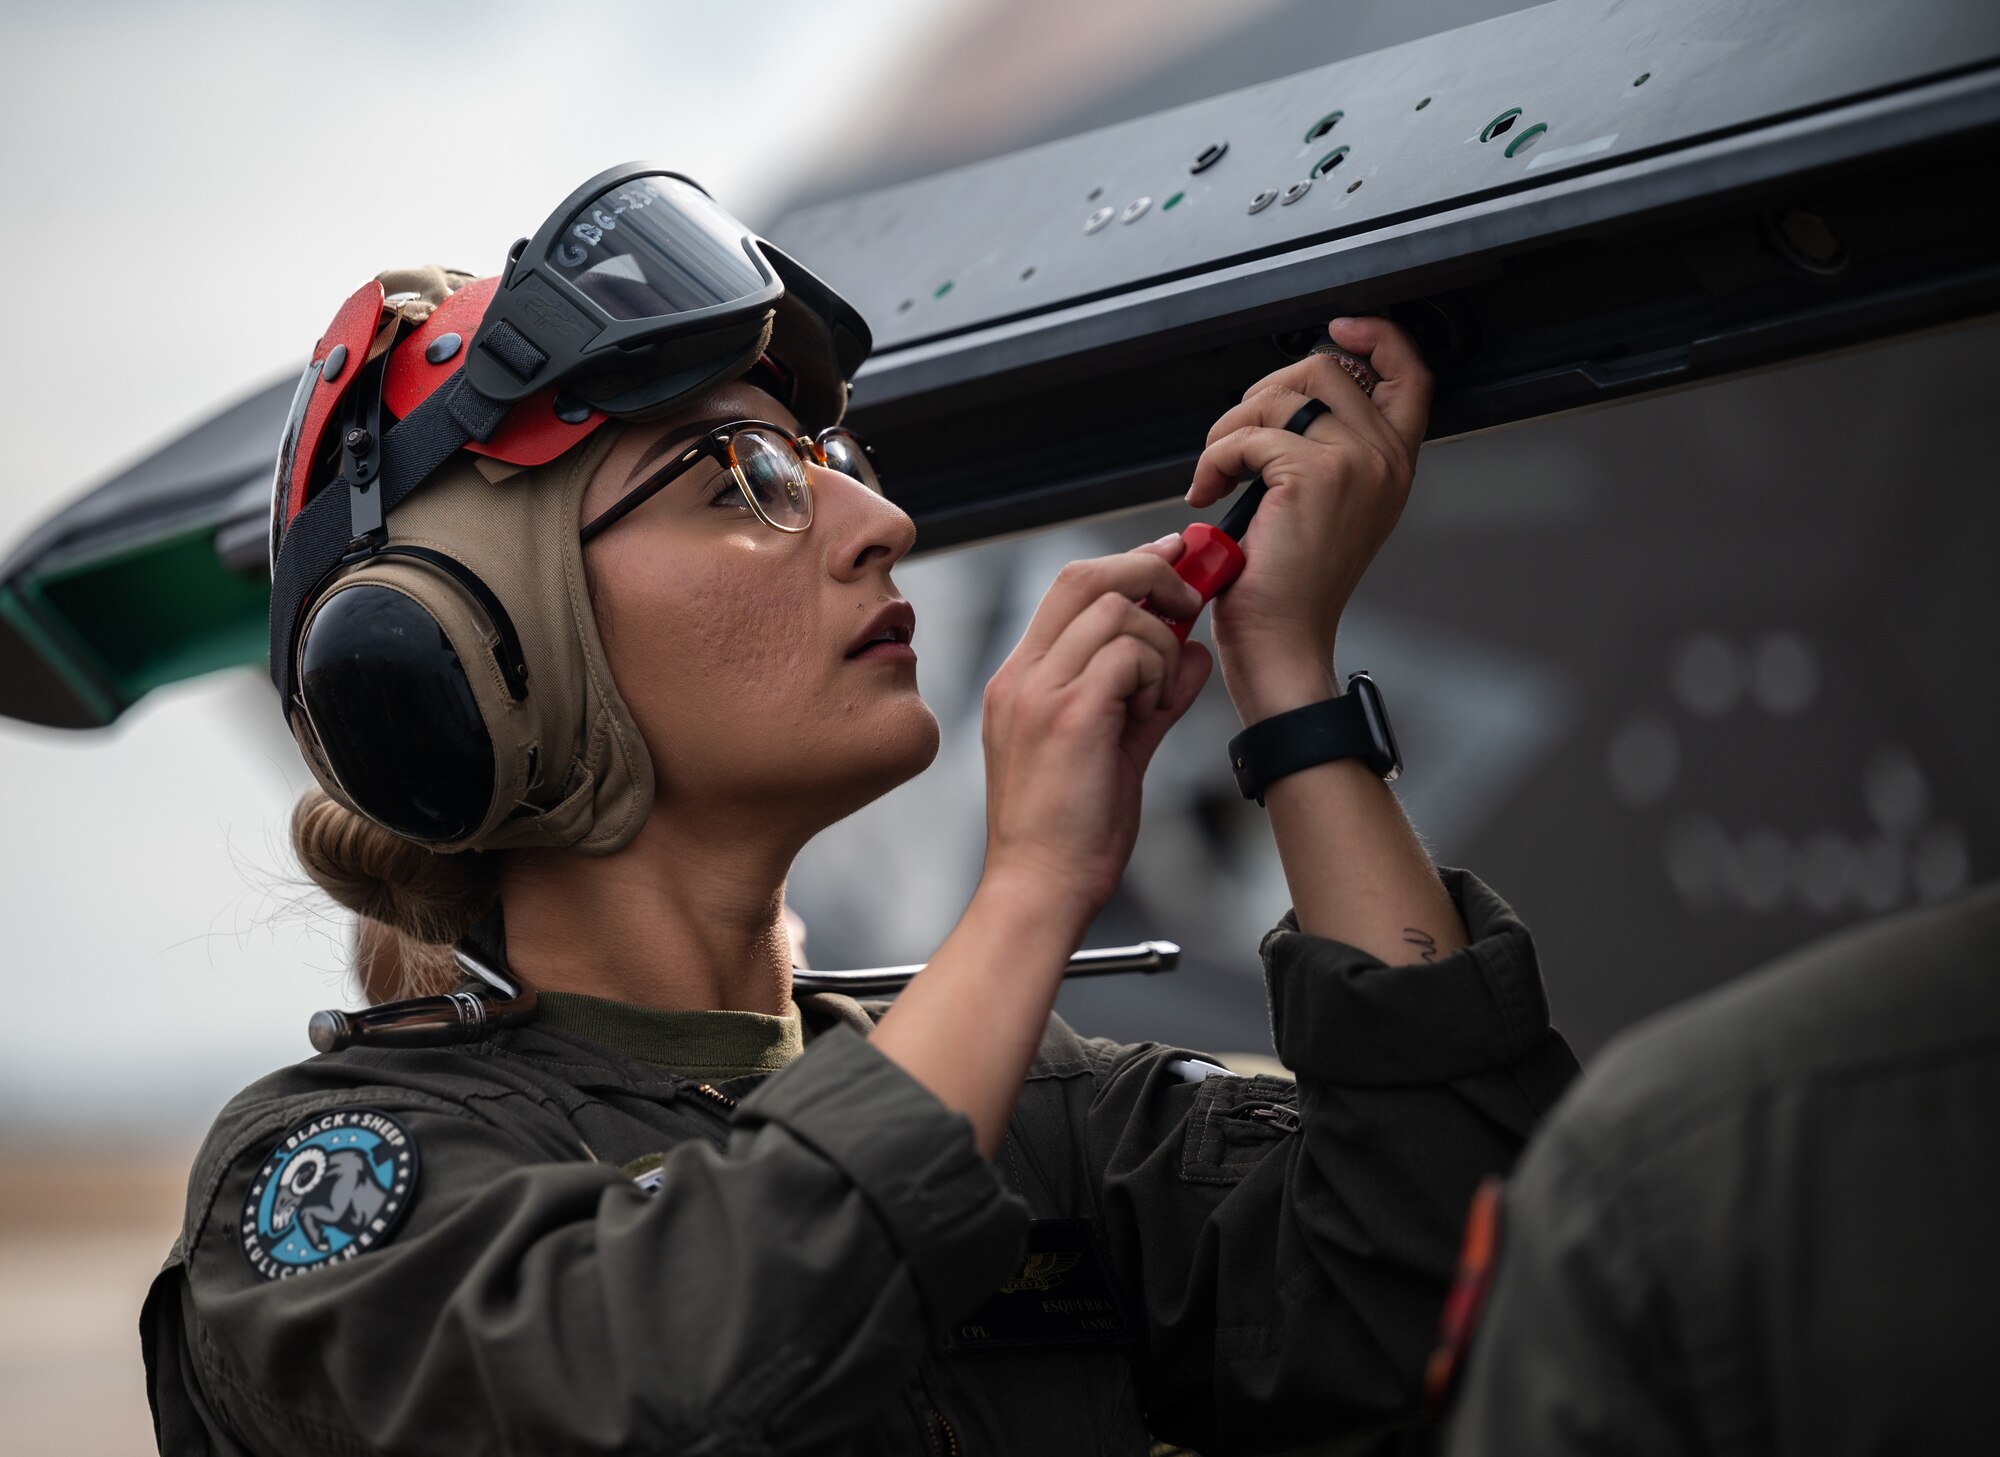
(722, 1098)
(939, 1438)
(721, 1103)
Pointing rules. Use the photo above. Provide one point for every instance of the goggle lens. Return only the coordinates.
(655, 247)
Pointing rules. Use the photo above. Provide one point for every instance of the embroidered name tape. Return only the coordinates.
(1061, 1296)
(334, 1187)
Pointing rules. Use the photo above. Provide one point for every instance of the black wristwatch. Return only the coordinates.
(1355, 725)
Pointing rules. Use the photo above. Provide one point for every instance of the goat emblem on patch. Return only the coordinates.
(334, 1187)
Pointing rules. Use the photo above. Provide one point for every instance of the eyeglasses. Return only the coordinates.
(768, 464)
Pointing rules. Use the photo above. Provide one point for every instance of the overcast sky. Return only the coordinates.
(191, 191)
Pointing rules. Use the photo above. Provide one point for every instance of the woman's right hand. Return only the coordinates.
(1072, 718)
(1071, 721)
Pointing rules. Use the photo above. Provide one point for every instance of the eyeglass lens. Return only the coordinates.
(768, 464)
(844, 454)
(774, 471)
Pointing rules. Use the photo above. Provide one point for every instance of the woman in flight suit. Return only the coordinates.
(684, 1210)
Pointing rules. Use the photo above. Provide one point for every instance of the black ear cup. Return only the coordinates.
(390, 705)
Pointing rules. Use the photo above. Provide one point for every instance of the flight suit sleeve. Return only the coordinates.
(762, 1299)
(1576, 1350)
(1292, 1244)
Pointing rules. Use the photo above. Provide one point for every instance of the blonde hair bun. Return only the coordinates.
(426, 895)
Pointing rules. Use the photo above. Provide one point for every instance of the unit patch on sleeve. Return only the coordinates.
(334, 1187)
(1462, 1307)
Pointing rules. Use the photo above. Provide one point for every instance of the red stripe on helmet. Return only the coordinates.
(354, 327)
(530, 435)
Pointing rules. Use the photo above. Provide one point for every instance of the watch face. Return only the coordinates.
(1375, 713)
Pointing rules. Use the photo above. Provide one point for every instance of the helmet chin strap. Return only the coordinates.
(322, 533)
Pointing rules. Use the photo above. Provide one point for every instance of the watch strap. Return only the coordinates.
(1318, 733)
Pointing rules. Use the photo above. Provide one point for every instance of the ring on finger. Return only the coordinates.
(1305, 414)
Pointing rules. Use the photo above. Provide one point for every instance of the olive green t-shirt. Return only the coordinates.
(708, 1046)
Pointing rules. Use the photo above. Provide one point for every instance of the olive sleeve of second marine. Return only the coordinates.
(758, 1298)
(1292, 1243)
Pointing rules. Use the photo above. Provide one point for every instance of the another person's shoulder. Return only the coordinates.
(1902, 989)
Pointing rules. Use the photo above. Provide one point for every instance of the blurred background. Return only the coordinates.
(1689, 680)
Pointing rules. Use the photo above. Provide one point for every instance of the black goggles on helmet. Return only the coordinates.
(636, 294)
(638, 278)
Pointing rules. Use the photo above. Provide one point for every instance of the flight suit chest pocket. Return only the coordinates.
(1234, 1125)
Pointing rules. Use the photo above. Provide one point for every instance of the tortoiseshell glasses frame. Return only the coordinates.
(768, 464)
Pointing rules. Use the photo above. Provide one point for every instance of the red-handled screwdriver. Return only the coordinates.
(1211, 557)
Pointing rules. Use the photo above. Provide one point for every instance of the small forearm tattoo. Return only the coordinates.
(1424, 941)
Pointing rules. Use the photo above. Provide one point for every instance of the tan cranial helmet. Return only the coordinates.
(443, 675)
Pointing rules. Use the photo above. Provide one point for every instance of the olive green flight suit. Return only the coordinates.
(1762, 1223)
(813, 1260)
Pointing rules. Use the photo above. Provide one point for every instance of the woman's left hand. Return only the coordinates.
(1334, 495)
